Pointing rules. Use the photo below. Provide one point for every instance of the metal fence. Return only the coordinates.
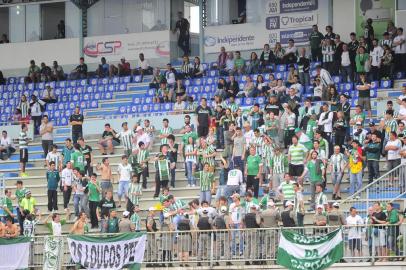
(388, 187)
(248, 246)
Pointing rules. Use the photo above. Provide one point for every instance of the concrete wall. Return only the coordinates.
(344, 9)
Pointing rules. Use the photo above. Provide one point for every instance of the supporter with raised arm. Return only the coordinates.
(55, 225)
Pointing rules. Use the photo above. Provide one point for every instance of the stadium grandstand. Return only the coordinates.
(203, 134)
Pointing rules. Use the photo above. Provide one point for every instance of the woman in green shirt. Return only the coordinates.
(94, 198)
(360, 60)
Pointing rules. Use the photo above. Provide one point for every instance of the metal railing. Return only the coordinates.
(388, 187)
(361, 243)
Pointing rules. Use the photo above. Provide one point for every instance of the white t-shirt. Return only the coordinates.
(179, 106)
(6, 142)
(55, 157)
(394, 154)
(125, 172)
(376, 56)
(145, 138)
(402, 47)
(144, 64)
(248, 137)
(234, 177)
(403, 161)
(345, 59)
(318, 91)
(56, 228)
(354, 232)
(236, 213)
(67, 177)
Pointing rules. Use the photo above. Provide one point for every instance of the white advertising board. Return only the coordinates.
(113, 48)
(234, 37)
(18, 55)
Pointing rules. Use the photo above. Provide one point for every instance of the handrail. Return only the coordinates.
(351, 197)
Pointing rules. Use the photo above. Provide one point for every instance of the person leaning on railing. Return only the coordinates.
(394, 219)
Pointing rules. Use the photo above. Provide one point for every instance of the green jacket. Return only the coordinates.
(373, 151)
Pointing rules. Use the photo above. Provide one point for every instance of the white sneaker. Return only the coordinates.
(188, 185)
(193, 185)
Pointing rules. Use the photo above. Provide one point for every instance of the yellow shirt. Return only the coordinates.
(29, 204)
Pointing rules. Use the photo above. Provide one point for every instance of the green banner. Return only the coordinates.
(301, 252)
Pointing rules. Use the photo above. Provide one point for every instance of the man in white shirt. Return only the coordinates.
(325, 77)
(142, 136)
(403, 95)
(375, 57)
(234, 180)
(127, 138)
(143, 66)
(6, 146)
(393, 147)
(67, 179)
(290, 53)
(54, 156)
(354, 222)
(326, 120)
(124, 175)
(346, 68)
(400, 50)
(179, 105)
(248, 134)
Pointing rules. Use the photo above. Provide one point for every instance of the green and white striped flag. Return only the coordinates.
(108, 252)
(53, 249)
(301, 252)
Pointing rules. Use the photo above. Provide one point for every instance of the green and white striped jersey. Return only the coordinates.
(165, 131)
(258, 142)
(163, 167)
(279, 164)
(132, 189)
(297, 154)
(208, 151)
(126, 138)
(390, 125)
(206, 180)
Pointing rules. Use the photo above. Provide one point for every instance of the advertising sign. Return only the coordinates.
(295, 20)
(234, 37)
(288, 6)
(298, 35)
(113, 48)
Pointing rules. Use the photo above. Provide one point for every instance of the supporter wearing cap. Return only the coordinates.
(28, 203)
(270, 217)
(142, 136)
(320, 219)
(252, 220)
(125, 225)
(359, 133)
(288, 215)
(335, 217)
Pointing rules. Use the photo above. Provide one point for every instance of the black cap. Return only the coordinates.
(371, 124)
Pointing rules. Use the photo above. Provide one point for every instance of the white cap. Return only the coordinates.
(223, 209)
(138, 128)
(254, 206)
(320, 206)
(289, 203)
(126, 213)
(151, 209)
(271, 203)
(336, 204)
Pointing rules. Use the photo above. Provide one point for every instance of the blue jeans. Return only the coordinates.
(230, 190)
(77, 202)
(221, 191)
(189, 173)
(238, 161)
(355, 182)
(234, 235)
(205, 196)
(220, 137)
(373, 170)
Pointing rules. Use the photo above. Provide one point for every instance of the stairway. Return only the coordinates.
(389, 187)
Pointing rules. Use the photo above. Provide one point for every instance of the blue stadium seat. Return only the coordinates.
(260, 100)
(354, 102)
(386, 84)
(156, 107)
(101, 88)
(213, 73)
(21, 79)
(111, 87)
(147, 100)
(137, 100)
(198, 82)
(72, 83)
(103, 81)
(108, 95)
(210, 80)
(122, 87)
(93, 81)
(280, 68)
(114, 80)
(94, 104)
(209, 88)
(134, 109)
(400, 75)
(51, 84)
(146, 108)
(314, 64)
(374, 84)
(61, 84)
(90, 89)
(346, 87)
(373, 93)
(279, 75)
(11, 80)
(137, 79)
(126, 79)
(248, 101)
(40, 85)
(336, 79)
(68, 90)
(187, 82)
(79, 90)
(313, 73)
